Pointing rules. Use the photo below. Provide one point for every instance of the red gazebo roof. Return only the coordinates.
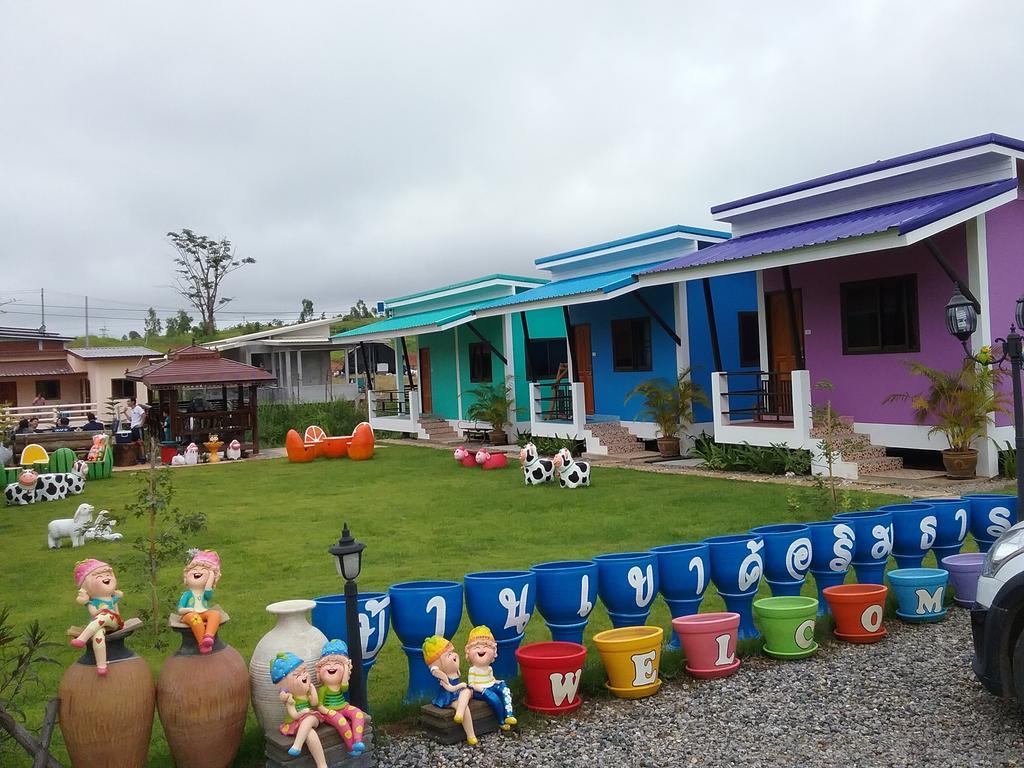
(195, 366)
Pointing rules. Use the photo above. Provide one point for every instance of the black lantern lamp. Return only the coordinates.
(1019, 314)
(349, 555)
(962, 318)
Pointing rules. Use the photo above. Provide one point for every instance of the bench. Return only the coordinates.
(474, 430)
(79, 442)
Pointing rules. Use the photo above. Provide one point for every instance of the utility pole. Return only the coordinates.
(42, 308)
(86, 322)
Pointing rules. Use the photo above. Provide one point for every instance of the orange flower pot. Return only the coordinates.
(858, 610)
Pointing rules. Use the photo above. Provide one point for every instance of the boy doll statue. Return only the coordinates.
(201, 576)
(481, 651)
(440, 656)
(98, 592)
(333, 670)
(299, 697)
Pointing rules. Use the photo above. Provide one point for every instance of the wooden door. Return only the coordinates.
(784, 354)
(9, 393)
(426, 397)
(585, 364)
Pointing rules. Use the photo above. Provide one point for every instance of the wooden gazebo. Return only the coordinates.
(203, 393)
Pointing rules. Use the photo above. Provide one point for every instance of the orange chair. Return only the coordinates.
(297, 450)
(361, 447)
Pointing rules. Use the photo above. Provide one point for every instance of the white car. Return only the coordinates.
(997, 619)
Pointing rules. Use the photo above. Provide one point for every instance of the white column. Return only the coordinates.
(682, 325)
(399, 364)
(510, 369)
(458, 374)
(288, 371)
(298, 382)
(762, 321)
(977, 277)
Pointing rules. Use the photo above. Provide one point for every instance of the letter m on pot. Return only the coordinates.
(928, 602)
(564, 687)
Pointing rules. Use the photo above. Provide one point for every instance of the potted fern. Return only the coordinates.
(491, 404)
(669, 405)
(960, 405)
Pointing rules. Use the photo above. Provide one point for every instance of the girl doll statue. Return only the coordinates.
(299, 697)
(201, 576)
(98, 592)
(443, 661)
(481, 651)
(333, 670)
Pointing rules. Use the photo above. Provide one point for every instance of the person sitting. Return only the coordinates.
(64, 425)
(33, 424)
(23, 427)
(91, 425)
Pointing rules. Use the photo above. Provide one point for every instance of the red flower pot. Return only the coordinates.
(858, 610)
(551, 673)
(709, 642)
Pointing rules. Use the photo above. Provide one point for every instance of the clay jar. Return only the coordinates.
(107, 721)
(203, 701)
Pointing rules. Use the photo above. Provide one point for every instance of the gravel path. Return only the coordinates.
(910, 700)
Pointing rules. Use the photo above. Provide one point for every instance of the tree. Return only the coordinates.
(179, 325)
(152, 326)
(202, 264)
(134, 335)
(360, 310)
(307, 311)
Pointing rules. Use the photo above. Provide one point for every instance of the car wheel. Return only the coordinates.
(1018, 669)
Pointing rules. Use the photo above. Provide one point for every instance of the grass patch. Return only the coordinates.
(421, 516)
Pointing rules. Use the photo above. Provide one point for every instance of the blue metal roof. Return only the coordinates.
(468, 283)
(674, 229)
(903, 217)
(600, 282)
(879, 165)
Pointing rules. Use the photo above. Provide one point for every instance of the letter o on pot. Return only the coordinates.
(871, 619)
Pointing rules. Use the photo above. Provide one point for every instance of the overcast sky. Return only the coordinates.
(366, 150)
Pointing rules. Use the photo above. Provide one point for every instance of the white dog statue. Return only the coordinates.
(70, 528)
(103, 528)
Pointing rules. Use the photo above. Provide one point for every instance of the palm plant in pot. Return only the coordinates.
(959, 405)
(492, 403)
(669, 404)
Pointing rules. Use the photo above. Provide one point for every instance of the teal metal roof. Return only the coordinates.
(672, 230)
(467, 283)
(434, 317)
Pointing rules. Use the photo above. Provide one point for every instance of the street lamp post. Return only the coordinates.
(961, 322)
(349, 554)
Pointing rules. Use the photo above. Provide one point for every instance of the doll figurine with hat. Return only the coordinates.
(98, 592)
(201, 576)
(299, 697)
(333, 669)
(440, 656)
(481, 651)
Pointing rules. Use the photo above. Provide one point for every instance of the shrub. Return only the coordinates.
(549, 446)
(338, 417)
(776, 459)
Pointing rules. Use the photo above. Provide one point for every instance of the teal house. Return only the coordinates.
(445, 352)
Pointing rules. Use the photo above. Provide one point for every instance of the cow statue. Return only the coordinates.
(234, 451)
(488, 460)
(70, 528)
(535, 469)
(571, 473)
(24, 490)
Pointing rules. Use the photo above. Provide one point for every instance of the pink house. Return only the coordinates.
(853, 271)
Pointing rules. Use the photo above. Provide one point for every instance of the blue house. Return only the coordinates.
(621, 334)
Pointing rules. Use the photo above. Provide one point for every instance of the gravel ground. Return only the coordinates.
(910, 700)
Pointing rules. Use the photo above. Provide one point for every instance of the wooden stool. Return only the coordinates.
(440, 723)
(334, 749)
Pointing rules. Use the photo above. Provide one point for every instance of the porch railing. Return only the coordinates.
(758, 395)
(394, 410)
(557, 409)
(51, 413)
(762, 408)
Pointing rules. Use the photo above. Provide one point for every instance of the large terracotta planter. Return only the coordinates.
(294, 633)
(858, 610)
(631, 658)
(668, 447)
(551, 673)
(709, 641)
(107, 721)
(203, 700)
(960, 465)
(497, 437)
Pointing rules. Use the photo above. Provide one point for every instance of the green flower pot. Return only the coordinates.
(787, 624)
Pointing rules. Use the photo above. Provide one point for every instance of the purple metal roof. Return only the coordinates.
(879, 165)
(904, 217)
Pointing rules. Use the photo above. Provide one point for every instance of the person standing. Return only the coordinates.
(40, 401)
(135, 412)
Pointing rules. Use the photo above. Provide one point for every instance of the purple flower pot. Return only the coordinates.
(964, 571)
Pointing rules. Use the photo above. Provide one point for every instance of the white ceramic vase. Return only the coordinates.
(294, 633)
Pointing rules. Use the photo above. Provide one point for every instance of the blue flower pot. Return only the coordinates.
(872, 534)
(566, 593)
(919, 593)
(420, 609)
(991, 514)
(953, 516)
(787, 556)
(832, 545)
(683, 575)
(627, 583)
(503, 601)
(914, 529)
(736, 567)
(374, 622)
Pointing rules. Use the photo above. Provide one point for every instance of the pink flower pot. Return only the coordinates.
(709, 642)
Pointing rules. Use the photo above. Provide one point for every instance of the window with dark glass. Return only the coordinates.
(546, 356)
(880, 316)
(479, 363)
(750, 340)
(48, 388)
(631, 344)
(121, 388)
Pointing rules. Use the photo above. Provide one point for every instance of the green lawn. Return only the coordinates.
(421, 516)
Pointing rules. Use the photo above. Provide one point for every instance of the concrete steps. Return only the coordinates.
(616, 438)
(856, 448)
(439, 430)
